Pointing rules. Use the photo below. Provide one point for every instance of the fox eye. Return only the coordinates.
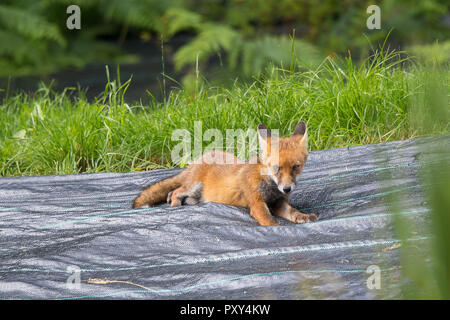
(276, 169)
(295, 167)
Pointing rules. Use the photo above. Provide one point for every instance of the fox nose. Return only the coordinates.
(287, 189)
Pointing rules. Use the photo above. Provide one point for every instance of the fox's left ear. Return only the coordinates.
(301, 129)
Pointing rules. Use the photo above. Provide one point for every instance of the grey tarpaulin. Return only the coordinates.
(56, 230)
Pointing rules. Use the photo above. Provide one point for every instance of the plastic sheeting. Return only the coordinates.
(76, 236)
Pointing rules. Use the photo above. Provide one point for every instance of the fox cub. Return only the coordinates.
(263, 185)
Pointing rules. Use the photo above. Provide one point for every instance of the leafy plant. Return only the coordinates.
(428, 277)
(247, 54)
(343, 103)
(250, 34)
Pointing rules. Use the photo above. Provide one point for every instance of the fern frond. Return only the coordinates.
(179, 19)
(29, 25)
(210, 40)
(14, 45)
(251, 56)
(277, 49)
(138, 13)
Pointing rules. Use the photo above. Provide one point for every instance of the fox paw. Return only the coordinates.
(173, 199)
(269, 222)
(299, 217)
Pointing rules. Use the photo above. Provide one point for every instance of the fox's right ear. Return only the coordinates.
(301, 129)
(263, 134)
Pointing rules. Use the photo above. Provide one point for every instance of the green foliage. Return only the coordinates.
(344, 104)
(251, 56)
(23, 22)
(179, 19)
(38, 41)
(246, 54)
(210, 40)
(278, 50)
(27, 36)
(428, 278)
(434, 54)
(251, 34)
(143, 14)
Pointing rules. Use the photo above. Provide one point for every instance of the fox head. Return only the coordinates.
(283, 158)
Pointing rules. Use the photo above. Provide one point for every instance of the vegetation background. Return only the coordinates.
(229, 63)
(244, 35)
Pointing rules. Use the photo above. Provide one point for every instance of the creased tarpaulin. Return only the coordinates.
(56, 230)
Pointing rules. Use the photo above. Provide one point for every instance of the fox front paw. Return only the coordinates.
(269, 222)
(298, 217)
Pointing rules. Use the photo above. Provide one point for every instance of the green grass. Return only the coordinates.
(343, 103)
(428, 277)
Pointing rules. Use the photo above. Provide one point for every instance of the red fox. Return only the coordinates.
(262, 186)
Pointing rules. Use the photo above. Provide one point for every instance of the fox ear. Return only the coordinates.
(305, 139)
(263, 134)
(301, 129)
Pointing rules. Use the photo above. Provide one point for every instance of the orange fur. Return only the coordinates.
(261, 187)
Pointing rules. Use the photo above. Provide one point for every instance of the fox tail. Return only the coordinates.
(157, 193)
